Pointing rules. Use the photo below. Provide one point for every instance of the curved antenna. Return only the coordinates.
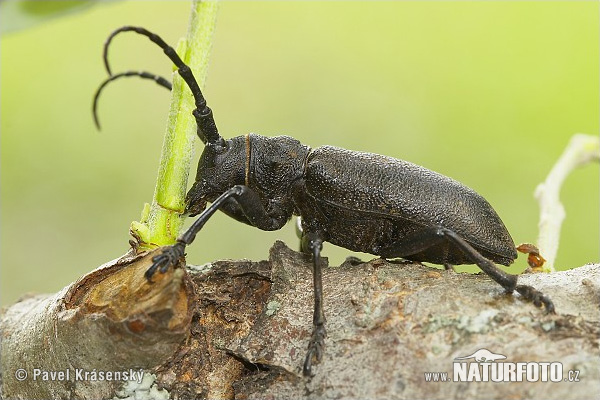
(142, 74)
(207, 129)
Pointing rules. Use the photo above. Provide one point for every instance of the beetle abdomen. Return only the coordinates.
(396, 199)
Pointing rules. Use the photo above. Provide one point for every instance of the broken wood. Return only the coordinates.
(239, 329)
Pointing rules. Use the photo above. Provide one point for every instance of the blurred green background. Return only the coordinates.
(488, 93)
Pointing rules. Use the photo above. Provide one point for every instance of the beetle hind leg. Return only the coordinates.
(435, 237)
(507, 281)
(312, 243)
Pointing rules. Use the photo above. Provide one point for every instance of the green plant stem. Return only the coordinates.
(162, 220)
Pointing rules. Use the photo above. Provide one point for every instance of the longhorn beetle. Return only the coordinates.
(361, 201)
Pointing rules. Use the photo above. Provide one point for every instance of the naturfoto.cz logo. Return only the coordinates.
(486, 366)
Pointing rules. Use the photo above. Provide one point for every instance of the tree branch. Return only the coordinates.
(109, 320)
(241, 328)
(581, 150)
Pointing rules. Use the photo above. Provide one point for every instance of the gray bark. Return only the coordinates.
(241, 330)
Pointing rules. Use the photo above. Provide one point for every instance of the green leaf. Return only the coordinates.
(16, 15)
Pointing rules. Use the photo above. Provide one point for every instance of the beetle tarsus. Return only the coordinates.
(315, 349)
(536, 297)
(169, 257)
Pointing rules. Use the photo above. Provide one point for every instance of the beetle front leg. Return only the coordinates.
(250, 205)
(172, 254)
(313, 244)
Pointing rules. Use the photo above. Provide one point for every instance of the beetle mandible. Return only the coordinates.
(361, 201)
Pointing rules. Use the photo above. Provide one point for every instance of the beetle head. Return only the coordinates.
(221, 166)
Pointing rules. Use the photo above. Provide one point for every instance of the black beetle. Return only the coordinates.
(361, 201)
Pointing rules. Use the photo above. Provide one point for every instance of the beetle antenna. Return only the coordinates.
(207, 129)
(142, 74)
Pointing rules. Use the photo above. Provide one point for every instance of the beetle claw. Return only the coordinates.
(315, 349)
(537, 297)
(162, 262)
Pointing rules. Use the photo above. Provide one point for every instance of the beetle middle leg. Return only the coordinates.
(312, 243)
